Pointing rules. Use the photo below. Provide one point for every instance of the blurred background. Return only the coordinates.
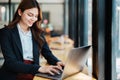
(84, 22)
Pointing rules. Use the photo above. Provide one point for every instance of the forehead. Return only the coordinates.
(32, 10)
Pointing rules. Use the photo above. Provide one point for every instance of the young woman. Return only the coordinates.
(22, 42)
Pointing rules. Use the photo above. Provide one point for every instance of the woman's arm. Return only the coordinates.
(46, 52)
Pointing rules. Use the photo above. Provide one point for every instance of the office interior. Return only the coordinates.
(86, 22)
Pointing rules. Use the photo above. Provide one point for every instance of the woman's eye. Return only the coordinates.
(30, 15)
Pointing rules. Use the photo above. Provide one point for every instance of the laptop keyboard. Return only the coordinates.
(53, 77)
(56, 75)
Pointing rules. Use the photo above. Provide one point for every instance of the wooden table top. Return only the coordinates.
(61, 50)
(78, 76)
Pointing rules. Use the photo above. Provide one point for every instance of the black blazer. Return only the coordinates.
(13, 55)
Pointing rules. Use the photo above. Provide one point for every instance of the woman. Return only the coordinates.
(22, 42)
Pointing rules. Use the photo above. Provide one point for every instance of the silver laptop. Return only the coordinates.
(75, 62)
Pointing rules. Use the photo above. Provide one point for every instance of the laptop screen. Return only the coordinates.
(76, 60)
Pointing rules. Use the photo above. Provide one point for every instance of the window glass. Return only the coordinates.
(116, 38)
(90, 34)
(6, 13)
(3, 14)
(54, 14)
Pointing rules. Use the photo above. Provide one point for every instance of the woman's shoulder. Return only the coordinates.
(4, 29)
(7, 28)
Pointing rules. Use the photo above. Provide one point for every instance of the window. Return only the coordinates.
(90, 34)
(116, 38)
(3, 14)
(55, 15)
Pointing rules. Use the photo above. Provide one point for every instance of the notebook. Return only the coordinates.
(75, 62)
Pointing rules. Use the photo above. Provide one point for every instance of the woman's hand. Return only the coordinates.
(50, 69)
(60, 64)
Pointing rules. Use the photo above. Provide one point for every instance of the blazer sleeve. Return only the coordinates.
(11, 63)
(46, 52)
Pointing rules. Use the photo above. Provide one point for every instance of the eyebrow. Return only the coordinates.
(32, 13)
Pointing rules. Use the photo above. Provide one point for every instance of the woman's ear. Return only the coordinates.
(19, 12)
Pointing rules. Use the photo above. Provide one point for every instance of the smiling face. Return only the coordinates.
(28, 17)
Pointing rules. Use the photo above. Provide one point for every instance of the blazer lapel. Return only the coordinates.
(35, 51)
(16, 37)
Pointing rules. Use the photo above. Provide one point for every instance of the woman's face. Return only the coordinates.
(28, 17)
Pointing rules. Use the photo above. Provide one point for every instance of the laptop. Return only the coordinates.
(75, 62)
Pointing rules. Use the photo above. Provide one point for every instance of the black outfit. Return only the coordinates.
(12, 52)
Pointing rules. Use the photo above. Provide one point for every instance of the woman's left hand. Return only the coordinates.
(60, 64)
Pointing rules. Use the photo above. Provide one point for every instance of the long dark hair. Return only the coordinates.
(36, 29)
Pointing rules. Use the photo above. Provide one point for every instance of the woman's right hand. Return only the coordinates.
(50, 69)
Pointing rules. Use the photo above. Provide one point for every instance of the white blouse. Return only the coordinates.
(27, 46)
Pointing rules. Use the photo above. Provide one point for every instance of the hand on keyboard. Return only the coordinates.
(50, 69)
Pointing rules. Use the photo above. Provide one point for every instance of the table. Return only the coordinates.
(61, 50)
(79, 76)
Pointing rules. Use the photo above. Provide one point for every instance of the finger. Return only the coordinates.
(55, 71)
(60, 67)
(57, 67)
(60, 64)
(50, 72)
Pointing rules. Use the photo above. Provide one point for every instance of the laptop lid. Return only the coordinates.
(75, 62)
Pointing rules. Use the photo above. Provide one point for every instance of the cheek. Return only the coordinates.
(24, 18)
(36, 19)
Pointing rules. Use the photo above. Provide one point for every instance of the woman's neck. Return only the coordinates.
(24, 27)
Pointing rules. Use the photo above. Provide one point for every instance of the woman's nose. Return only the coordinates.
(34, 18)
